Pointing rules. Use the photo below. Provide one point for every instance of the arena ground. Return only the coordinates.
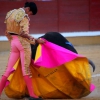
(90, 51)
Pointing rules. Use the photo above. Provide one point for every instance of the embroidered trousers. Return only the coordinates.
(20, 48)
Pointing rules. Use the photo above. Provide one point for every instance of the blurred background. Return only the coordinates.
(77, 20)
(57, 15)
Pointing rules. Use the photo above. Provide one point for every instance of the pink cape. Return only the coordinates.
(53, 55)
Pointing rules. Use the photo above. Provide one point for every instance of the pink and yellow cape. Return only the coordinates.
(56, 73)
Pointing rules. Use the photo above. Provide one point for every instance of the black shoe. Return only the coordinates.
(31, 98)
